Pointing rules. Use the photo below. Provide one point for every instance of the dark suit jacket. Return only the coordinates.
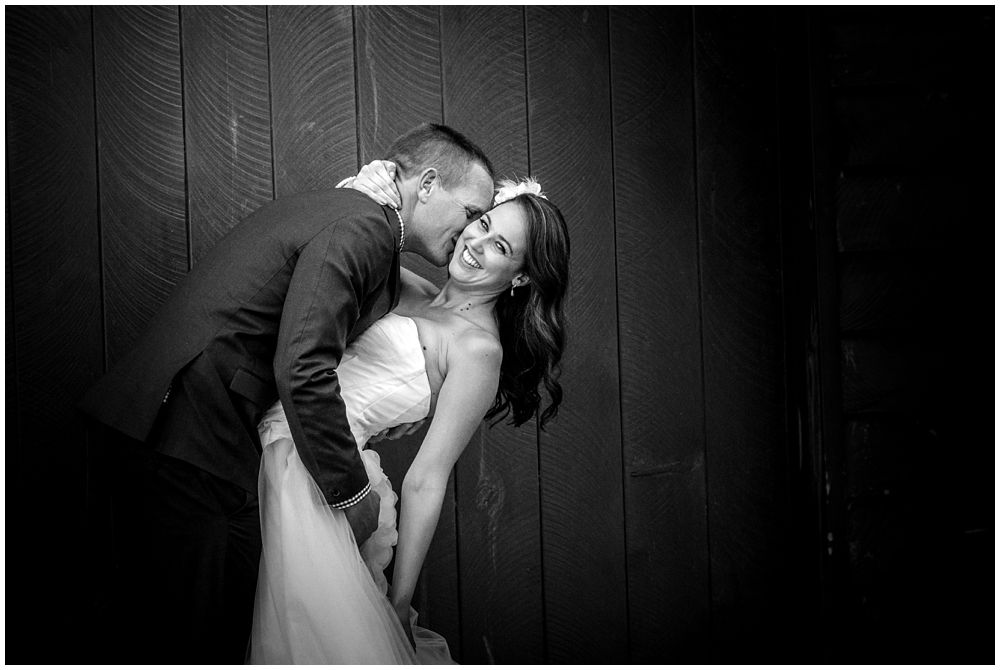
(266, 314)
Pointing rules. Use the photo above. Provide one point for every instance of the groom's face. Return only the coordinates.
(444, 213)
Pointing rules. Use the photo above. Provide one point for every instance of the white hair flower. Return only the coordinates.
(509, 190)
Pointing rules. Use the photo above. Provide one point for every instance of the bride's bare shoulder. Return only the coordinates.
(477, 346)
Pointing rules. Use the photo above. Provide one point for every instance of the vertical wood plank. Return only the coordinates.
(142, 180)
(399, 85)
(54, 294)
(660, 334)
(227, 118)
(823, 424)
(797, 214)
(741, 311)
(907, 102)
(399, 73)
(312, 94)
(484, 82)
(498, 509)
(583, 540)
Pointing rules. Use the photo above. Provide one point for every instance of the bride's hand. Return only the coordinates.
(376, 180)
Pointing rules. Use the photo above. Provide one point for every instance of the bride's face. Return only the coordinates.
(489, 253)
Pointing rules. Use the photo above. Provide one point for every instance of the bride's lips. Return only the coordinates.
(470, 260)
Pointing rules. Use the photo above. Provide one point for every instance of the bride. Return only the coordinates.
(480, 346)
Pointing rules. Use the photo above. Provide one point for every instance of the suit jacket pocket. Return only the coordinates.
(253, 388)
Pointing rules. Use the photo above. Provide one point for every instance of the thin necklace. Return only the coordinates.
(402, 228)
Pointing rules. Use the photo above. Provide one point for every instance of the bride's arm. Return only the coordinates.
(466, 395)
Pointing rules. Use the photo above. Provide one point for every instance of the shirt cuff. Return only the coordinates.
(353, 500)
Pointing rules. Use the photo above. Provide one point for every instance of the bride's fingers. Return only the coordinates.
(385, 172)
(376, 181)
(370, 182)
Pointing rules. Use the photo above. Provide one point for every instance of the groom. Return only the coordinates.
(266, 315)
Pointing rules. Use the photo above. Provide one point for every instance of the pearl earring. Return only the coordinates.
(512, 289)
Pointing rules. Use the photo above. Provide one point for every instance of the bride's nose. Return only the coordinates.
(477, 242)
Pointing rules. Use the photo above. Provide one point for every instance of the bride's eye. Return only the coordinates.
(484, 225)
(501, 248)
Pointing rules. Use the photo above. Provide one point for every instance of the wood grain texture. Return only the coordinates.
(919, 49)
(227, 118)
(876, 130)
(142, 180)
(736, 137)
(499, 532)
(880, 450)
(823, 413)
(894, 292)
(54, 321)
(911, 107)
(662, 398)
(484, 82)
(583, 542)
(806, 483)
(900, 213)
(312, 97)
(884, 372)
(398, 51)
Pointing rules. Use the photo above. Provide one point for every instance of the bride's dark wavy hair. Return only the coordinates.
(532, 323)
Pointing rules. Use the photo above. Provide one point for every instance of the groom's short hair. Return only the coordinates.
(434, 145)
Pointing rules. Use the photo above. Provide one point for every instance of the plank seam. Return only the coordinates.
(357, 91)
(91, 452)
(12, 342)
(527, 100)
(270, 97)
(444, 119)
(701, 315)
(102, 291)
(538, 435)
(187, 195)
(793, 453)
(618, 328)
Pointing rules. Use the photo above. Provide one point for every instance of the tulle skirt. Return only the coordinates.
(319, 599)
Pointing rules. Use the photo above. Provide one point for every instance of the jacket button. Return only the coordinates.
(335, 493)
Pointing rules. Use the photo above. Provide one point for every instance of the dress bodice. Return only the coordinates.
(383, 380)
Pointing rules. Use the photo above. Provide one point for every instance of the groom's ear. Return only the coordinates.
(428, 180)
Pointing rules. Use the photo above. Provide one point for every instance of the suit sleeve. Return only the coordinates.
(334, 274)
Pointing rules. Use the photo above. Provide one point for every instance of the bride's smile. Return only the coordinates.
(470, 260)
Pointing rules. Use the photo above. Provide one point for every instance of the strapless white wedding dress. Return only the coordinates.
(319, 599)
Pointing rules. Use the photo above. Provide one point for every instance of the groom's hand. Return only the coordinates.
(363, 517)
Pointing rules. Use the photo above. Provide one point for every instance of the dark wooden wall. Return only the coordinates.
(676, 511)
(903, 182)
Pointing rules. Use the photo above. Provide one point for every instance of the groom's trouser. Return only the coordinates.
(188, 545)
